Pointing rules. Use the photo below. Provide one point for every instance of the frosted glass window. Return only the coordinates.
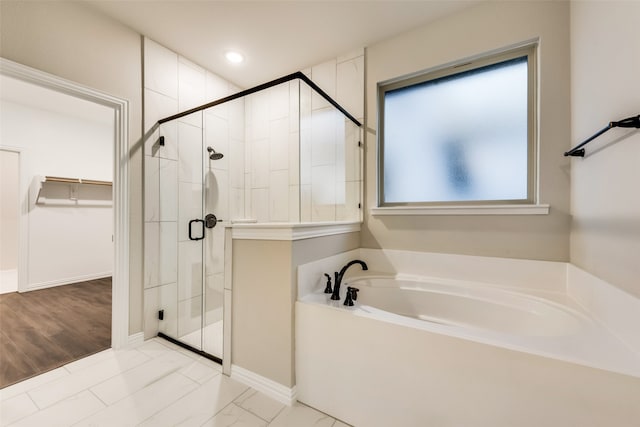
(458, 138)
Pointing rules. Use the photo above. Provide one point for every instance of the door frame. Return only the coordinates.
(121, 226)
(20, 151)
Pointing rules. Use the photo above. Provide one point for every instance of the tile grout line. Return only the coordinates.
(98, 397)
(277, 415)
(249, 410)
(230, 403)
(176, 399)
(92, 366)
(24, 416)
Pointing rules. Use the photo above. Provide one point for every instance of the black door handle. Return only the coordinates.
(190, 229)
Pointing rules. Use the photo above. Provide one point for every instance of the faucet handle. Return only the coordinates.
(327, 289)
(351, 296)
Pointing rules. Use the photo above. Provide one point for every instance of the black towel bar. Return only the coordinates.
(629, 122)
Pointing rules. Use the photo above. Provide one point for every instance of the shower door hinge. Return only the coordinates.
(161, 314)
(359, 205)
(359, 143)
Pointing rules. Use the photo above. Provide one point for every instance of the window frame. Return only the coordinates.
(530, 50)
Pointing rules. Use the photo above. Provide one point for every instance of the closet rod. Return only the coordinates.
(629, 122)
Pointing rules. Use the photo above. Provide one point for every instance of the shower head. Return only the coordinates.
(214, 155)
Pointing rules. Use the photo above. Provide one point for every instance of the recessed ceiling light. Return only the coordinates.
(234, 57)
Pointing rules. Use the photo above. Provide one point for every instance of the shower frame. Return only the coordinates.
(288, 78)
(297, 75)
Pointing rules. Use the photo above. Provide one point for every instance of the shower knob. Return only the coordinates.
(210, 221)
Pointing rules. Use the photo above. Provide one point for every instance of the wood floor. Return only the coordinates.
(42, 330)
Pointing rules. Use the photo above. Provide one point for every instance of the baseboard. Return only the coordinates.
(67, 281)
(135, 339)
(275, 390)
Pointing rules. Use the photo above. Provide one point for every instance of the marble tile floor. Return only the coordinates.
(155, 384)
(212, 336)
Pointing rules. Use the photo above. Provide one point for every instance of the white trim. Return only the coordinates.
(23, 211)
(463, 210)
(286, 231)
(275, 390)
(66, 281)
(120, 293)
(228, 302)
(135, 340)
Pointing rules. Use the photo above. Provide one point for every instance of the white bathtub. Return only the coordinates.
(543, 323)
(469, 307)
(416, 351)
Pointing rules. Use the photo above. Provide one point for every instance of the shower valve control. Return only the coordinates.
(210, 220)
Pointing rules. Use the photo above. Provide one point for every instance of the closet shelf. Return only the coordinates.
(41, 181)
(74, 180)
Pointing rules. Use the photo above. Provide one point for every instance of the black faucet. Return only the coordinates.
(336, 287)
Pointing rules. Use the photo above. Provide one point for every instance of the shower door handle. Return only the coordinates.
(191, 237)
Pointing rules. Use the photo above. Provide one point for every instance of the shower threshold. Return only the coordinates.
(190, 348)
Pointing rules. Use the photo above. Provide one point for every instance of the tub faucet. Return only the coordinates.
(339, 276)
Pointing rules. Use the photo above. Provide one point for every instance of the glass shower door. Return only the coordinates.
(192, 310)
(191, 230)
(217, 157)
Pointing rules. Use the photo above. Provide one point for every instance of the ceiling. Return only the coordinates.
(276, 37)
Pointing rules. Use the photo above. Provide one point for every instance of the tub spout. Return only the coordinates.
(340, 275)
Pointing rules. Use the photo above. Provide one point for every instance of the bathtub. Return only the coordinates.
(468, 307)
(419, 351)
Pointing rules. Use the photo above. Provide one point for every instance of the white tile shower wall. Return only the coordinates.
(191, 89)
(314, 155)
(168, 252)
(152, 189)
(350, 84)
(271, 153)
(173, 188)
(329, 151)
(169, 190)
(160, 70)
(151, 254)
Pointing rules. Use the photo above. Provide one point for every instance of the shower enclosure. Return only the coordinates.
(283, 152)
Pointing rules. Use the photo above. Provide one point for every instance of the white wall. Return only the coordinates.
(69, 235)
(476, 30)
(605, 200)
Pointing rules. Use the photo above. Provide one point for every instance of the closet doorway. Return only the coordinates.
(58, 306)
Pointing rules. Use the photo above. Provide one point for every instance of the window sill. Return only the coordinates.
(462, 210)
